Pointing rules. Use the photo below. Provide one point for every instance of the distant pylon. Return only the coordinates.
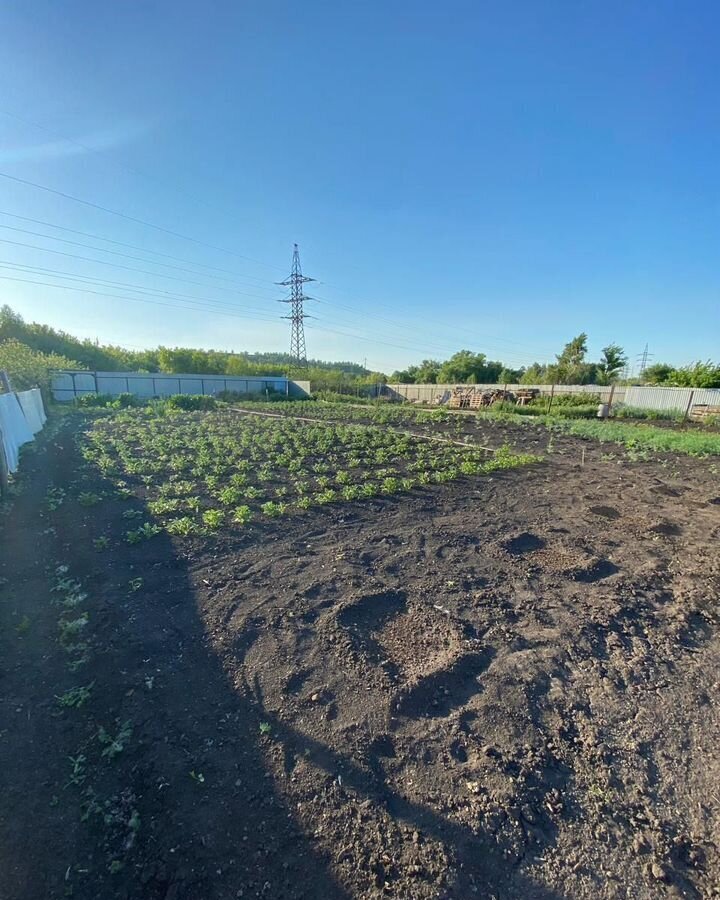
(644, 356)
(297, 329)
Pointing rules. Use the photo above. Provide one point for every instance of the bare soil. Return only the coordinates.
(503, 687)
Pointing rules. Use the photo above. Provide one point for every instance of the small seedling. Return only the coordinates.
(198, 777)
(101, 543)
(77, 772)
(75, 697)
(135, 584)
(55, 497)
(265, 728)
(114, 746)
(88, 498)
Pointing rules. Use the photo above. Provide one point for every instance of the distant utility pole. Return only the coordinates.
(297, 331)
(644, 356)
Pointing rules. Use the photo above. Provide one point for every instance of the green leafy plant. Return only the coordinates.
(88, 498)
(75, 697)
(242, 515)
(213, 518)
(114, 746)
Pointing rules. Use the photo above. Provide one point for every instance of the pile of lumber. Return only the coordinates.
(702, 411)
(472, 398)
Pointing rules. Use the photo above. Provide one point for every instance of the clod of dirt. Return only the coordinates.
(667, 528)
(603, 568)
(526, 542)
(609, 512)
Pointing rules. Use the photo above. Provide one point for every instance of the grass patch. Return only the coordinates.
(641, 437)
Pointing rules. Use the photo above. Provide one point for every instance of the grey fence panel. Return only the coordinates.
(66, 385)
(671, 398)
(429, 393)
(659, 398)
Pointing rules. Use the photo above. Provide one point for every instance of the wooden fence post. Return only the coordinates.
(610, 398)
(550, 402)
(689, 406)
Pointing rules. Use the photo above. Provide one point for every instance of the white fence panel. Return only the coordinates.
(15, 429)
(32, 406)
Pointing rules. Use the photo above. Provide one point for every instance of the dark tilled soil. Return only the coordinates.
(505, 687)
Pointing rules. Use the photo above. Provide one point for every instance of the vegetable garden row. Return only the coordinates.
(204, 471)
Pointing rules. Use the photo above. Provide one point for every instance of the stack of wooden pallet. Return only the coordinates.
(702, 411)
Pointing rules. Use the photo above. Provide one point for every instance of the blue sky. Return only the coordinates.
(497, 176)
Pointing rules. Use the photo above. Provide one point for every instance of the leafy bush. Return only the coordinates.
(29, 368)
(189, 402)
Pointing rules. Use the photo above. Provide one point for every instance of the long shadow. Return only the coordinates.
(185, 809)
(482, 868)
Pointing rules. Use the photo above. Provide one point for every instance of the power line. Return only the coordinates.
(129, 218)
(103, 282)
(99, 237)
(102, 262)
(196, 308)
(52, 237)
(88, 149)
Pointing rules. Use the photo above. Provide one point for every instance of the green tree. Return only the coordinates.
(658, 373)
(510, 376)
(466, 365)
(697, 375)
(534, 374)
(612, 362)
(29, 368)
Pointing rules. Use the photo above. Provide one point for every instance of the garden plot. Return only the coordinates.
(204, 471)
(490, 681)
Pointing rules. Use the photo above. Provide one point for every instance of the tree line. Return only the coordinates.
(30, 350)
(571, 366)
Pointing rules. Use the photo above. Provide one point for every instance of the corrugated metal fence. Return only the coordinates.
(67, 384)
(660, 398)
(671, 398)
(430, 393)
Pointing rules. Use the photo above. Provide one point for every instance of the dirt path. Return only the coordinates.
(503, 687)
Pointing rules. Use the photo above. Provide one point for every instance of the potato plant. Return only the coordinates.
(200, 472)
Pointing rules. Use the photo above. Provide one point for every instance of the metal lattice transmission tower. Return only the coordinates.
(297, 331)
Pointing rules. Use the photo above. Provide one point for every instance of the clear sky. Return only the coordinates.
(496, 176)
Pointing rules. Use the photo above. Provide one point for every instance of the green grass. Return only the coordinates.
(641, 437)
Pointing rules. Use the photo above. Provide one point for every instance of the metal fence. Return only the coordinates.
(68, 384)
(431, 393)
(671, 398)
(658, 398)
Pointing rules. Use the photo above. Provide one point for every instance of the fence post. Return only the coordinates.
(610, 398)
(5, 381)
(552, 394)
(689, 406)
(4, 480)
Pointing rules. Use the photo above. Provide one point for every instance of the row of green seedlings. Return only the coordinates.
(375, 415)
(295, 466)
(117, 814)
